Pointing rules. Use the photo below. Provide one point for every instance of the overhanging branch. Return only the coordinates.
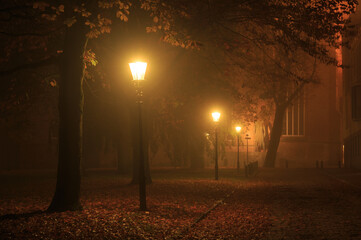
(32, 34)
(25, 34)
(300, 87)
(15, 8)
(41, 63)
(278, 64)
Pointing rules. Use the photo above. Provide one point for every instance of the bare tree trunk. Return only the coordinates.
(276, 133)
(71, 101)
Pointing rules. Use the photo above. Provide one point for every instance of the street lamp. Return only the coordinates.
(138, 72)
(238, 130)
(216, 116)
(207, 135)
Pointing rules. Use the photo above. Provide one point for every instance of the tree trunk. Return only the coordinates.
(276, 133)
(71, 101)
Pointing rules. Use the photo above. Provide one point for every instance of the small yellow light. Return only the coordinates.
(238, 129)
(207, 135)
(138, 70)
(216, 116)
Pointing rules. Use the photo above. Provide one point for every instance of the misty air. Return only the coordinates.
(155, 119)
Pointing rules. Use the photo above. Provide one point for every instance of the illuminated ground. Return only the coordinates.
(276, 204)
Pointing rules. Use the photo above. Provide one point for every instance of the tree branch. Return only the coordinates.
(264, 52)
(41, 63)
(25, 34)
(32, 34)
(300, 87)
(9, 9)
(11, 16)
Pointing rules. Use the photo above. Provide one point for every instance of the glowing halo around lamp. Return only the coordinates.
(238, 129)
(138, 70)
(216, 116)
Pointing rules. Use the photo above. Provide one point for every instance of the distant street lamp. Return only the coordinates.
(216, 116)
(207, 135)
(138, 72)
(238, 130)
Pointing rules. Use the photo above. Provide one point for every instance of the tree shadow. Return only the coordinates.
(20, 215)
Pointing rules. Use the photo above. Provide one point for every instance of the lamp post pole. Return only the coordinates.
(247, 166)
(238, 153)
(138, 72)
(247, 138)
(216, 152)
(216, 116)
(142, 182)
(238, 130)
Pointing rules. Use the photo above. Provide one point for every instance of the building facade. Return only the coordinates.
(312, 124)
(352, 96)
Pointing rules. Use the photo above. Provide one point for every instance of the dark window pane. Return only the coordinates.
(284, 124)
(301, 116)
(289, 127)
(295, 122)
(356, 102)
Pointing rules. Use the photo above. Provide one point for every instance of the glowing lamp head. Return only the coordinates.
(238, 129)
(138, 70)
(216, 116)
(207, 135)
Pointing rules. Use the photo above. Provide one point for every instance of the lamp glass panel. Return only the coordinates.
(138, 70)
(216, 116)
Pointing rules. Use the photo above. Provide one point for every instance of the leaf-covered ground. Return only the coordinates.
(276, 204)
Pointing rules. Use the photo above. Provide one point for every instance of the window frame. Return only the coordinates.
(300, 100)
(356, 105)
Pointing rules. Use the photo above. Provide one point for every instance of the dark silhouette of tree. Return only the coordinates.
(261, 37)
(63, 30)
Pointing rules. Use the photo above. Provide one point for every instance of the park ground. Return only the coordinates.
(274, 204)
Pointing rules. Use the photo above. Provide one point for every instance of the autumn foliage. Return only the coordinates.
(277, 204)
